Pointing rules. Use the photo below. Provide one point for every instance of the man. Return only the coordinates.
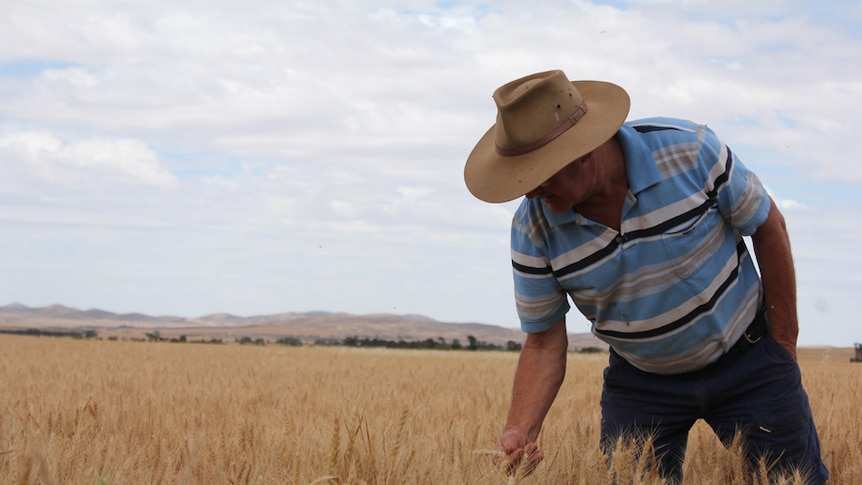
(641, 225)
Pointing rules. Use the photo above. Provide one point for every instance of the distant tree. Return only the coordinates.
(474, 344)
(456, 344)
(513, 346)
(292, 341)
(352, 341)
(590, 350)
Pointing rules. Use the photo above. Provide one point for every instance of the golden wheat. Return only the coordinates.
(103, 412)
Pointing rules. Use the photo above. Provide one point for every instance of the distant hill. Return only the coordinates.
(308, 326)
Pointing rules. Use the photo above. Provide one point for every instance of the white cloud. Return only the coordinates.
(88, 161)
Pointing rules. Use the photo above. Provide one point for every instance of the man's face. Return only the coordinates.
(569, 187)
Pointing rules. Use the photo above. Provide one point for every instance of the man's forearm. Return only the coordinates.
(772, 247)
(540, 372)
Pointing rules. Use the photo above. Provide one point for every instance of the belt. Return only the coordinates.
(755, 331)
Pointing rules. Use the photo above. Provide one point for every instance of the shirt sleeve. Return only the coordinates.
(742, 199)
(539, 299)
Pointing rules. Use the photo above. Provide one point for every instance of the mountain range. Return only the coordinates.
(308, 326)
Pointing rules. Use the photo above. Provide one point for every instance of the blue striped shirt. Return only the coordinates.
(676, 286)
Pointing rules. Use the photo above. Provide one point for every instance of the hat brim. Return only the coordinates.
(495, 178)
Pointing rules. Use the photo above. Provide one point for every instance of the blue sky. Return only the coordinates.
(195, 157)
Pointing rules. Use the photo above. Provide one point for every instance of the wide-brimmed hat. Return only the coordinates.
(544, 122)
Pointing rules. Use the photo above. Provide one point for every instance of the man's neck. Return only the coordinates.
(606, 204)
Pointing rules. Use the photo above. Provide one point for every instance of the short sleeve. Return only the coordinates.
(742, 199)
(539, 299)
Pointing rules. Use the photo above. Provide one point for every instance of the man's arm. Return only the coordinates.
(772, 247)
(540, 372)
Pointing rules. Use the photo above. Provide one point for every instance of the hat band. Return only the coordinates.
(553, 134)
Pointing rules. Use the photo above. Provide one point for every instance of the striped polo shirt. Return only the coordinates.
(675, 287)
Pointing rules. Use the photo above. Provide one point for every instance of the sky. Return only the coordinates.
(258, 157)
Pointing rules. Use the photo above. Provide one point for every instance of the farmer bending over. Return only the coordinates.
(641, 224)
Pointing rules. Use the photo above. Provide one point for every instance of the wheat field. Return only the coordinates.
(117, 412)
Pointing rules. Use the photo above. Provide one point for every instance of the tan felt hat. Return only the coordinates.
(544, 122)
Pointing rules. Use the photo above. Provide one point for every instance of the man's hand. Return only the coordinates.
(790, 346)
(517, 448)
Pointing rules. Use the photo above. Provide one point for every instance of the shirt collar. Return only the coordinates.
(558, 218)
(641, 169)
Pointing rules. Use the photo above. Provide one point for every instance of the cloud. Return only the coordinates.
(87, 162)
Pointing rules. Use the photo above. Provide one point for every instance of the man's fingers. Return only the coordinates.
(534, 456)
(515, 460)
(533, 460)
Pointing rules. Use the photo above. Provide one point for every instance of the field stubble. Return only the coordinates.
(104, 412)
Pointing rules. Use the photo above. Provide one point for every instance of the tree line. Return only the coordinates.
(473, 344)
(352, 341)
(429, 343)
(52, 333)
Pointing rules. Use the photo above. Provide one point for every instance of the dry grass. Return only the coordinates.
(99, 412)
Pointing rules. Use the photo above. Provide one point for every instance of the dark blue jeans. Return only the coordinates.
(756, 389)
